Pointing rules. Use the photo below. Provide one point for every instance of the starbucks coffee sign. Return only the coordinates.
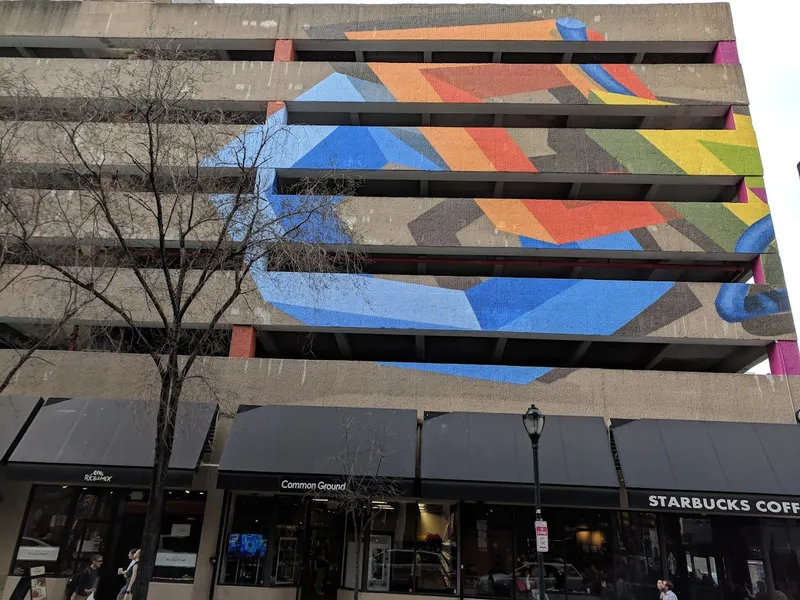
(293, 485)
(715, 503)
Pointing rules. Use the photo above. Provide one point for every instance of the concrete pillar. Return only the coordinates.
(284, 51)
(243, 342)
(726, 53)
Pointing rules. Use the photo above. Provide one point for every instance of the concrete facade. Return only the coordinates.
(620, 176)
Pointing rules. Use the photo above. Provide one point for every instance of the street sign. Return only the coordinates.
(542, 544)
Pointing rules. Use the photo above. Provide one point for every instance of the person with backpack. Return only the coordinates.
(134, 574)
(83, 584)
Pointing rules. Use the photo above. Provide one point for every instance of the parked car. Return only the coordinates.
(556, 576)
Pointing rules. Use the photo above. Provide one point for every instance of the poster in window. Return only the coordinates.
(379, 563)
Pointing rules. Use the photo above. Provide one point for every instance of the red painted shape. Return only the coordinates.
(594, 36)
(284, 51)
(730, 122)
(491, 80)
(625, 76)
(501, 149)
(741, 192)
(761, 193)
(448, 92)
(243, 342)
(274, 106)
(571, 222)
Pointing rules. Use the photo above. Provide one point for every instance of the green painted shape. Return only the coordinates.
(594, 98)
(773, 269)
(754, 182)
(739, 159)
(634, 152)
(717, 222)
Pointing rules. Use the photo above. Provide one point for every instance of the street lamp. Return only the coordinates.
(533, 419)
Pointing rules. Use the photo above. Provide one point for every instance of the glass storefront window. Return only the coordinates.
(637, 564)
(65, 526)
(45, 529)
(487, 546)
(437, 549)
(391, 557)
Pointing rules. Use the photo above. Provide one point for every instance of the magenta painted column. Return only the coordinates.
(784, 358)
(726, 53)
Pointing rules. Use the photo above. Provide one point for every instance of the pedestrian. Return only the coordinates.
(669, 594)
(321, 564)
(660, 587)
(134, 572)
(86, 584)
(127, 572)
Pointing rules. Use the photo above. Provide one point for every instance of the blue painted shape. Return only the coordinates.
(364, 297)
(398, 152)
(305, 221)
(735, 305)
(371, 91)
(757, 237)
(590, 307)
(334, 88)
(623, 240)
(500, 300)
(415, 139)
(497, 373)
(573, 30)
(317, 317)
(344, 148)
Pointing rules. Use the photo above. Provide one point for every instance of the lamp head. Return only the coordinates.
(533, 419)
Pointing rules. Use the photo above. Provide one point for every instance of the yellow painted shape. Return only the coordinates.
(578, 79)
(624, 99)
(405, 83)
(457, 148)
(751, 211)
(511, 216)
(684, 149)
(526, 30)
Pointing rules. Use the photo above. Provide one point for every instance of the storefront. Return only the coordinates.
(712, 506)
(90, 461)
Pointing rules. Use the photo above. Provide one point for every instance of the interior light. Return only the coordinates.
(188, 491)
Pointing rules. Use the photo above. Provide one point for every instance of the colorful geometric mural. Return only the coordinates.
(576, 307)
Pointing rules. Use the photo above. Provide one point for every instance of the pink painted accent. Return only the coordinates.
(726, 53)
(758, 271)
(730, 122)
(784, 358)
(741, 192)
(761, 193)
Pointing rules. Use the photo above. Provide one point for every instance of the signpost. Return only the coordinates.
(542, 544)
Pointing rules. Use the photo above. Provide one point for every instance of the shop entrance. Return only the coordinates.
(324, 545)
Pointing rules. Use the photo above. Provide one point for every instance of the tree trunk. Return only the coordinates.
(165, 436)
(359, 575)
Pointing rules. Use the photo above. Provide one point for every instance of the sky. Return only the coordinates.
(767, 38)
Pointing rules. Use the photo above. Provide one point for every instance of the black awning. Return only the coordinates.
(703, 466)
(16, 413)
(291, 448)
(92, 441)
(481, 456)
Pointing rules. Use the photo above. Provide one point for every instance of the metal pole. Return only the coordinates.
(538, 501)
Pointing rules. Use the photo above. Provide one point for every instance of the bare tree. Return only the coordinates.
(363, 493)
(162, 219)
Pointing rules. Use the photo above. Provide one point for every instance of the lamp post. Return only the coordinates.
(533, 420)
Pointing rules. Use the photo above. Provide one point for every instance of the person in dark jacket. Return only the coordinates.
(87, 582)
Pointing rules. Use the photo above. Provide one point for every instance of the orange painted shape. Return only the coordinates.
(526, 30)
(578, 79)
(491, 80)
(571, 222)
(511, 216)
(501, 149)
(448, 92)
(594, 36)
(624, 75)
(457, 148)
(405, 83)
